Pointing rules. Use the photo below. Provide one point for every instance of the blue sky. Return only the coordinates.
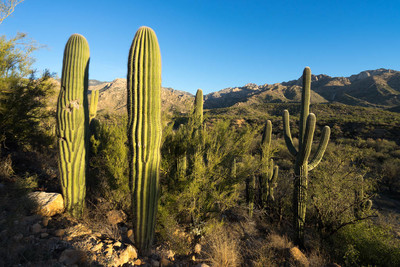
(214, 44)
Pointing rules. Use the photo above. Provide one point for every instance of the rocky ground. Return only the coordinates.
(35, 232)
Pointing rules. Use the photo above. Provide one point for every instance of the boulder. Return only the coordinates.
(298, 257)
(48, 204)
(72, 256)
(128, 254)
(115, 216)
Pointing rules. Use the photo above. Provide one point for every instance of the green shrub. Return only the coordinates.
(109, 163)
(366, 244)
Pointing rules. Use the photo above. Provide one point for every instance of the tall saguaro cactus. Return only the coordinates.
(198, 107)
(269, 173)
(302, 154)
(73, 123)
(144, 133)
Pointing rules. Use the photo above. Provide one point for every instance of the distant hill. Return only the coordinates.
(372, 88)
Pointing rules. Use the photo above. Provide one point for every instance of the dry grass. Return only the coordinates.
(222, 248)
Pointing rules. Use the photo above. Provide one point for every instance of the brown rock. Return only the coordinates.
(45, 221)
(44, 235)
(36, 228)
(97, 247)
(115, 216)
(298, 257)
(128, 254)
(109, 251)
(197, 248)
(137, 262)
(59, 232)
(48, 204)
(71, 256)
(165, 262)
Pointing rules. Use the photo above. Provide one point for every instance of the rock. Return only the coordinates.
(115, 216)
(129, 234)
(59, 232)
(202, 265)
(128, 254)
(44, 235)
(155, 263)
(117, 244)
(72, 256)
(298, 257)
(164, 262)
(36, 228)
(137, 262)
(48, 204)
(109, 251)
(45, 221)
(18, 237)
(97, 247)
(197, 248)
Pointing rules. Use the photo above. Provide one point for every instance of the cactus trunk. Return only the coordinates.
(144, 133)
(73, 123)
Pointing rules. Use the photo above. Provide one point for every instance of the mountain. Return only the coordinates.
(372, 88)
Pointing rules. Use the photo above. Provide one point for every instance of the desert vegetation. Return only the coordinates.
(232, 186)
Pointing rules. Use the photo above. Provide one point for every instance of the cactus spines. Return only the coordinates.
(198, 107)
(94, 98)
(269, 173)
(73, 123)
(302, 154)
(144, 133)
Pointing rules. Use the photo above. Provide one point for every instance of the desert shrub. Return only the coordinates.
(390, 171)
(222, 247)
(23, 101)
(334, 187)
(367, 244)
(206, 187)
(109, 163)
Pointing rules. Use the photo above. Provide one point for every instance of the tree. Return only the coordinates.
(23, 97)
(7, 7)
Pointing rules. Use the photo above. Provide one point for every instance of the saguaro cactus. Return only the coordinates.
(73, 122)
(144, 133)
(362, 204)
(198, 108)
(303, 165)
(94, 99)
(269, 172)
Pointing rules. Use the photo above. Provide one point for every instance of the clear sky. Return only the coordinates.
(214, 44)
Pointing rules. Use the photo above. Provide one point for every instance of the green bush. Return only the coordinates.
(366, 244)
(109, 163)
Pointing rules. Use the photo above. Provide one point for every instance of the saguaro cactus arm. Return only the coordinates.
(94, 98)
(323, 143)
(305, 149)
(287, 135)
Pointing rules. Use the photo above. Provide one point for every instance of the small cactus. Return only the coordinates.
(302, 154)
(73, 124)
(198, 108)
(144, 133)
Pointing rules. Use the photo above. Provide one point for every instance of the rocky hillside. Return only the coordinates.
(373, 88)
